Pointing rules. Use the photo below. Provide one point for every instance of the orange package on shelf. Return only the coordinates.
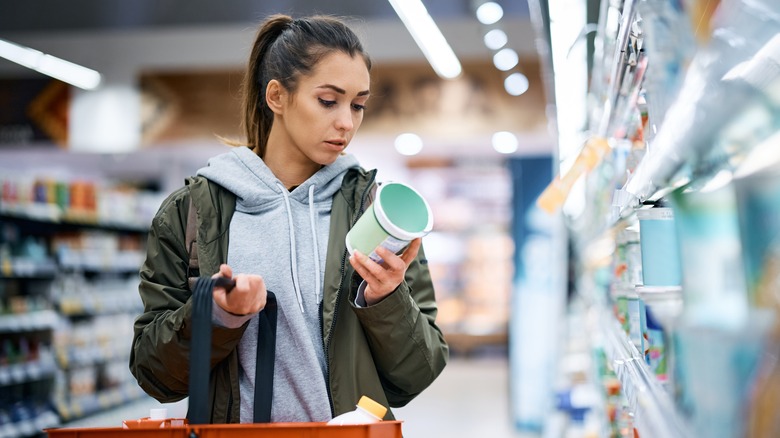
(383, 429)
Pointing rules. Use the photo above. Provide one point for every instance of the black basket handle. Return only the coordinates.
(200, 352)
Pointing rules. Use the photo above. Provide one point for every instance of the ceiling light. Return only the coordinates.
(57, 68)
(505, 142)
(505, 59)
(495, 39)
(516, 84)
(489, 12)
(428, 36)
(408, 144)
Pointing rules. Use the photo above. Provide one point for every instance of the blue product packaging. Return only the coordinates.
(658, 244)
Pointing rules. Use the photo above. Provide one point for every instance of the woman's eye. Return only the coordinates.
(326, 103)
(357, 107)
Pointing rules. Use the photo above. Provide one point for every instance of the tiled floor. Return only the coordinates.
(469, 399)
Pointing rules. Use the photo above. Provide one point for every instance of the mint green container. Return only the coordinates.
(398, 215)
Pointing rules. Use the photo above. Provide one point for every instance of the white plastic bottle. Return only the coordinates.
(366, 411)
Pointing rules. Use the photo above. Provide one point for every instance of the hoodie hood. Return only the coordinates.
(246, 175)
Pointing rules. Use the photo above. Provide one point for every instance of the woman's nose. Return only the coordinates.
(344, 120)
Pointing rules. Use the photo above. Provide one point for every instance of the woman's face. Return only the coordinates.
(320, 118)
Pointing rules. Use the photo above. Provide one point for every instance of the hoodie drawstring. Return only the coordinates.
(293, 257)
(316, 243)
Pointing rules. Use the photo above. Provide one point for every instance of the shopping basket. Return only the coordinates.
(384, 429)
(199, 374)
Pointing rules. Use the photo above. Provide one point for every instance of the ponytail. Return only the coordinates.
(258, 118)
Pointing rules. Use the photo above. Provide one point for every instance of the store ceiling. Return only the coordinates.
(102, 15)
(124, 38)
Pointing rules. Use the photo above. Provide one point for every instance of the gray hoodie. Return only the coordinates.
(282, 236)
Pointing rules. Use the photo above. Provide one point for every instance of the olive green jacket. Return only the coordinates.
(390, 351)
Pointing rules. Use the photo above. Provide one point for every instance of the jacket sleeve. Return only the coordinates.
(159, 358)
(408, 347)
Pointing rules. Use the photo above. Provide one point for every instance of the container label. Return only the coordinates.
(393, 244)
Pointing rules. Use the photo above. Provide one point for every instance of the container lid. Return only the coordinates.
(393, 206)
(655, 213)
(372, 407)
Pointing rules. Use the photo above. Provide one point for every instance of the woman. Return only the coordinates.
(272, 215)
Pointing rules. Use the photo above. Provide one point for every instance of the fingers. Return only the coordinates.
(226, 270)
(391, 263)
(248, 296)
(411, 251)
(383, 278)
(359, 261)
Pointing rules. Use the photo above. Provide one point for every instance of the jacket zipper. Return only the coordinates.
(338, 294)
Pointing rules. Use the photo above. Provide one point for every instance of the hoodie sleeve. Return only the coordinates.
(408, 347)
(159, 358)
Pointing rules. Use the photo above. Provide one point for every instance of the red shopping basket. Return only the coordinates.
(199, 375)
(384, 429)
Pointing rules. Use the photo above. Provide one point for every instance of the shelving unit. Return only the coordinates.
(27, 365)
(68, 298)
(675, 113)
(651, 403)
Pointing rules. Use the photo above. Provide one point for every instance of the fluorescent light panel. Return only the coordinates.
(428, 36)
(49, 65)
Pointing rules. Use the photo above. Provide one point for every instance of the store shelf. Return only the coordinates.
(101, 261)
(40, 369)
(468, 343)
(74, 357)
(29, 421)
(26, 322)
(78, 407)
(80, 268)
(654, 412)
(74, 307)
(43, 214)
(22, 268)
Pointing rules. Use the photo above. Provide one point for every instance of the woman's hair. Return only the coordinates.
(284, 49)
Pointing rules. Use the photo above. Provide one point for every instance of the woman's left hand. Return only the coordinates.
(383, 278)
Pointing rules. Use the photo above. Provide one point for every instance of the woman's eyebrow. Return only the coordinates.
(341, 90)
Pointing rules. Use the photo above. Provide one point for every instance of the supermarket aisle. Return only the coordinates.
(469, 399)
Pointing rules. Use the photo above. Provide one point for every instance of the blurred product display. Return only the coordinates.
(470, 250)
(675, 251)
(68, 282)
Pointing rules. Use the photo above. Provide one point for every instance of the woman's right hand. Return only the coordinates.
(247, 297)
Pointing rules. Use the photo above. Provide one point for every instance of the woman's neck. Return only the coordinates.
(289, 171)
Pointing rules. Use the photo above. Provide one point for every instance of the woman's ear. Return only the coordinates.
(274, 96)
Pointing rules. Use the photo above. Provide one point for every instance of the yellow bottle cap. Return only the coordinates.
(373, 407)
